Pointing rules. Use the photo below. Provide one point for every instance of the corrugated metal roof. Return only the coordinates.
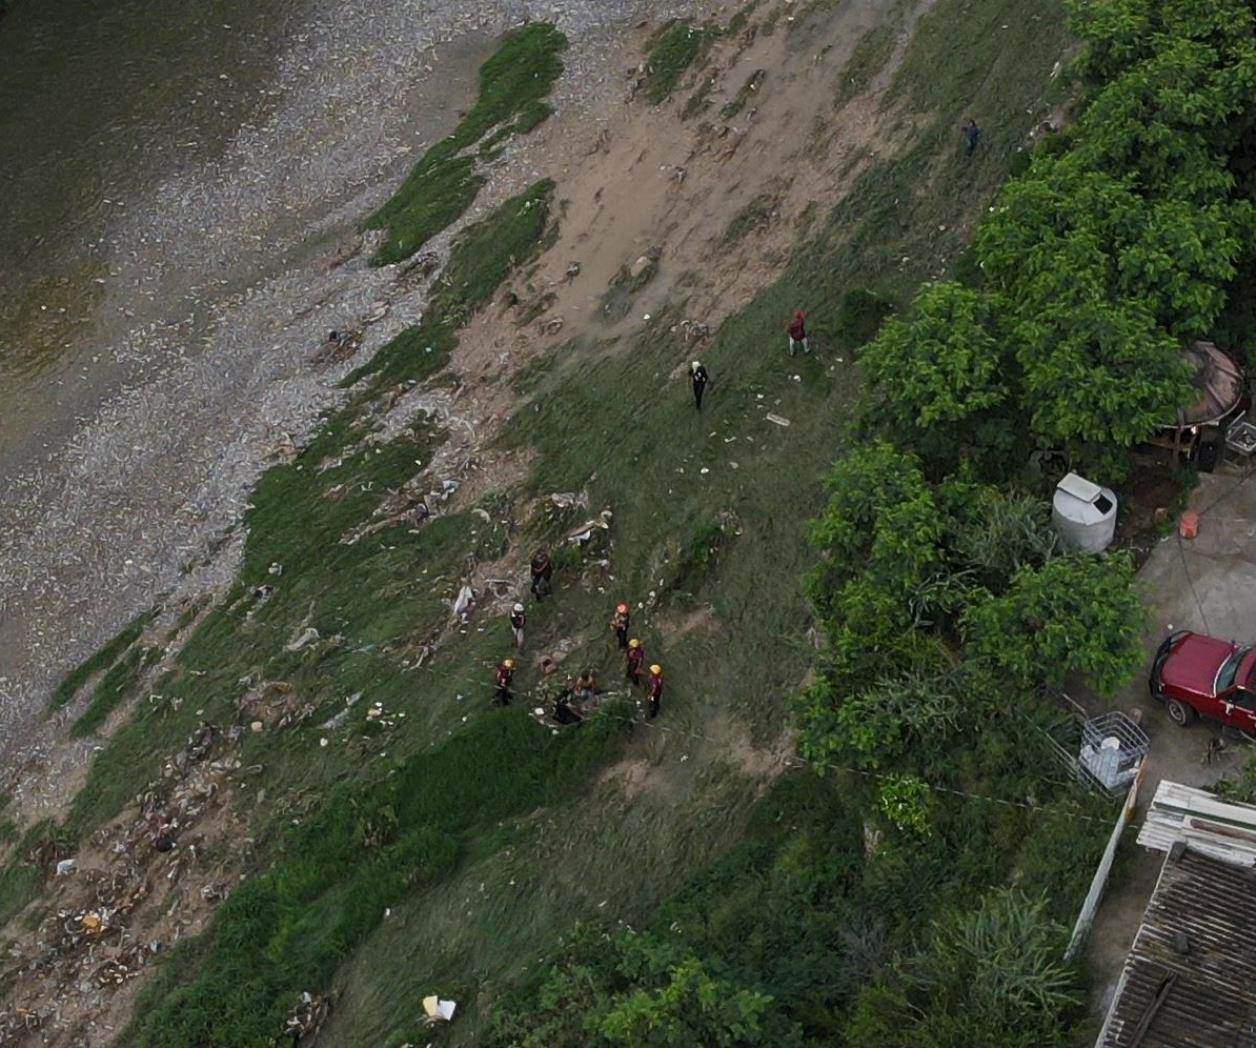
(1207, 995)
(1224, 829)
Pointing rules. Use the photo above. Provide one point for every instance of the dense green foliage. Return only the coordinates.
(513, 84)
(1100, 260)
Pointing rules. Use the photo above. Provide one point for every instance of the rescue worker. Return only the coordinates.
(636, 656)
(542, 574)
(517, 621)
(505, 676)
(798, 333)
(700, 379)
(619, 625)
(656, 690)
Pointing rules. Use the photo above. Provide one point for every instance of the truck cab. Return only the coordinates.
(1195, 675)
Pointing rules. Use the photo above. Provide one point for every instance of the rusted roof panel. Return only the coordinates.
(1207, 907)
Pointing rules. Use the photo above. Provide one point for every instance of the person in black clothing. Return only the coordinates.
(542, 574)
(972, 135)
(701, 379)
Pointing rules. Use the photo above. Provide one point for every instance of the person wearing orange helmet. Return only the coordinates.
(656, 690)
(619, 625)
(505, 677)
(636, 659)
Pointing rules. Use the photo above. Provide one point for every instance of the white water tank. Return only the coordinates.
(1084, 514)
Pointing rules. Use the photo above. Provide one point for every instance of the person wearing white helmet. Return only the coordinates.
(517, 620)
(700, 379)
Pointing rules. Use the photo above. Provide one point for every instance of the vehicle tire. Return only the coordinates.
(1181, 714)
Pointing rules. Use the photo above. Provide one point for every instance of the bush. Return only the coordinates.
(1077, 614)
(987, 978)
(859, 317)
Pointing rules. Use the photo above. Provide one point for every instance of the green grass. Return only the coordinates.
(114, 686)
(446, 181)
(672, 51)
(100, 660)
(363, 850)
(756, 215)
(482, 256)
(869, 57)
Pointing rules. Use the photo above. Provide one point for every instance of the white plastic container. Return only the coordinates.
(1084, 514)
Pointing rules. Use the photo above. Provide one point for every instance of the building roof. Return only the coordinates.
(1218, 383)
(1190, 977)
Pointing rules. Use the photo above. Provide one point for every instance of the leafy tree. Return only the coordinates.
(990, 977)
(911, 720)
(1075, 614)
(942, 364)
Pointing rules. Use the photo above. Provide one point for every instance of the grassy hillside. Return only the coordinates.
(438, 845)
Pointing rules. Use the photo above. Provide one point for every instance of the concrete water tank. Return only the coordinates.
(1084, 514)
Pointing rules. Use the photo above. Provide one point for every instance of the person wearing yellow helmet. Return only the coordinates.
(656, 690)
(505, 677)
(619, 625)
(636, 659)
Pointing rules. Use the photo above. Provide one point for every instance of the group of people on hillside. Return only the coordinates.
(584, 687)
(700, 378)
(571, 702)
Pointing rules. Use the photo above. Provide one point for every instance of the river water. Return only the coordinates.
(98, 100)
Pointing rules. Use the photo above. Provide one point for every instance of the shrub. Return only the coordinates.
(1077, 614)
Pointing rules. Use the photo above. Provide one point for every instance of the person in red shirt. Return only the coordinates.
(619, 625)
(505, 677)
(636, 657)
(798, 333)
(656, 690)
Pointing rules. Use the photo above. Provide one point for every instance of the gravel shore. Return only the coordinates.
(220, 279)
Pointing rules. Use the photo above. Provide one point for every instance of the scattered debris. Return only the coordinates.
(305, 637)
(438, 1010)
(464, 604)
(307, 1016)
(570, 499)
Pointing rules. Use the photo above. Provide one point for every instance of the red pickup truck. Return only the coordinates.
(1195, 675)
